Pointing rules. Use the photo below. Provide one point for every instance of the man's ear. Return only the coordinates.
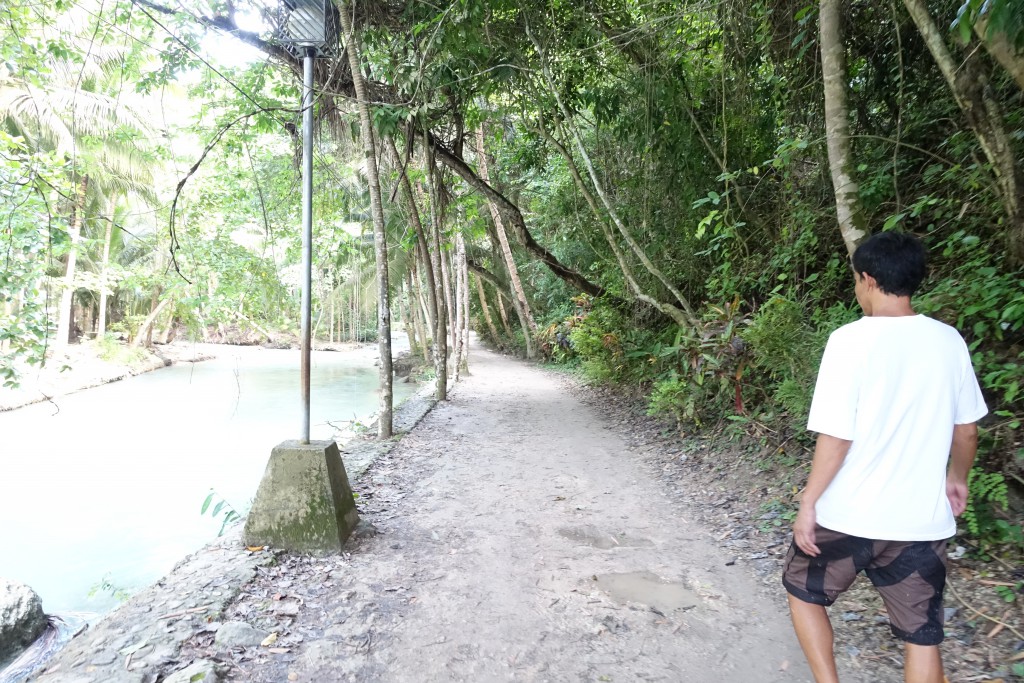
(870, 281)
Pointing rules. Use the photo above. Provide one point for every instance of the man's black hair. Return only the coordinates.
(896, 260)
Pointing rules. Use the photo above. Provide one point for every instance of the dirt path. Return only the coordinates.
(517, 540)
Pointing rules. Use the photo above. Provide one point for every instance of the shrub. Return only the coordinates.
(597, 339)
(702, 378)
(786, 345)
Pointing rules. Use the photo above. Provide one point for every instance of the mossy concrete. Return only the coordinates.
(304, 502)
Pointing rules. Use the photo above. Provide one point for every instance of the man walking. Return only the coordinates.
(896, 400)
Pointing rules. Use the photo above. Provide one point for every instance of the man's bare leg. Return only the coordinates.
(814, 631)
(922, 664)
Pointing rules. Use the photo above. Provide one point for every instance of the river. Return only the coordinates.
(103, 488)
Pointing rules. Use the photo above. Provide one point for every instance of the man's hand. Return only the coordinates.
(962, 452)
(829, 453)
(803, 530)
(956, 491)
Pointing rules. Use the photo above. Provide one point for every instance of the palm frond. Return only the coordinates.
(33, 117)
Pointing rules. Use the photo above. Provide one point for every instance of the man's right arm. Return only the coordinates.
(829, 454)
(962, 452)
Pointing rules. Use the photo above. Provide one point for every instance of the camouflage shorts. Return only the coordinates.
(909, 575)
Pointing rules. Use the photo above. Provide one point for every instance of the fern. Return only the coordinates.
(986, 493)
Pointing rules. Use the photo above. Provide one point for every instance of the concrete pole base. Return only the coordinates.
(304, 502)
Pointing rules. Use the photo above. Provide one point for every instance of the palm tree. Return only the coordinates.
(75, 114)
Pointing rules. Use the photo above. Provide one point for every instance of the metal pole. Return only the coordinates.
(307, 230)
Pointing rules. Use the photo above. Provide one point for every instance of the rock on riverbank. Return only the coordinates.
(21, 617)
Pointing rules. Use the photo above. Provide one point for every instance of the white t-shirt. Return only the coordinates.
(894, 386)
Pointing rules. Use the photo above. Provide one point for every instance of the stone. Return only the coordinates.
(21, 617)
(238, 634)
(304, 502)
(200, 670)
(286, 608)
(103, 657)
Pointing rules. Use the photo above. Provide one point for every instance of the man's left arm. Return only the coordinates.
(962, 452)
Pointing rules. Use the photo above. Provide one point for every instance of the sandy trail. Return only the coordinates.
(518, 540)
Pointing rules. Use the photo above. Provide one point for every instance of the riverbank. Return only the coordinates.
(91, 364)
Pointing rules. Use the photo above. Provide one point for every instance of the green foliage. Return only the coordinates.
(112, 350)
(555, 339)
(703, 122)
(221, 508)
(705, 369)
(776, 513)
(786, 341)
(1009, 593)
(26, 225)
(787, 349)
(1001, 16)
(984, 299)
(107, 585)
(598, 341)
(987, 498)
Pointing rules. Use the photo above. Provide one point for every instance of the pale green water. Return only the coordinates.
(110, 481)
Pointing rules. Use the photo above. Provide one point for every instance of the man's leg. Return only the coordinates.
(910, 576)
(922, 664)
(814, 631)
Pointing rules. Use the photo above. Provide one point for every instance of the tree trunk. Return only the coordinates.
(341, 323)
(414, 312)
(165, 335)
(145, 330)
(430, 267)
(412, 209)
(464, 288)
(101, 323)
(67, 292)
(449, 303)
(384, 419)
(486, 311)
(969, 85)
(501, 289)
(502, 312)
(852, 224)
(461, 291)
(440, 334)
(154, 305)
(1002, 49)
(424, 314)
(521, 303)
(457, 345)
(404, 314)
